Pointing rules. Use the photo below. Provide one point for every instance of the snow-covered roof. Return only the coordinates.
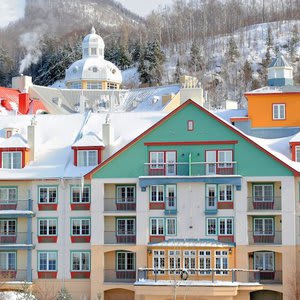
(89, 140)
(279, 61)
(275, 90)
(16, 141)
(191, 243)
(57, 133)
(230, 113)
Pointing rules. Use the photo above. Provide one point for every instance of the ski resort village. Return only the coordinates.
(122, 183)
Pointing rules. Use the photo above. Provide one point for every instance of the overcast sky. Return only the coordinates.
(12, 10)
(143, 7)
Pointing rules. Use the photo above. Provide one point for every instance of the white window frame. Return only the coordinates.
(256, 233)
(48, 220)
(155, 161)
(216, 226)
(174, 261)
(227, 188)
(169, 222)
(76, 85)
(80, 253)
(81, 192)
(126, 198)
(85, 160)
(126, 231)
(48, 194)
(158, 222)
(158, 190)
(48, 254)
(8, 197)
(264, 258)
(189, 260)
(159, 260)
(222, 256)
(204, 261)
(126, 259)
(80, 227)
(263, 197)
(227, 161)
(11, 158)
(6, 227)
(278, 111)
(226, 228)
(91, 85)
(6, 259)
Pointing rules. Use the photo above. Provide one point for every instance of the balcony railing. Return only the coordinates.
(112, 237)
(212, 275)
(13, 275)
(264, 203)
(274, 238)
(191, 169)
(16, 205)
(119, 276)
(16, 238)
(113, 204)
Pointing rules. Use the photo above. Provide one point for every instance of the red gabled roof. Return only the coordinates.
(9, 94)
(88, 175)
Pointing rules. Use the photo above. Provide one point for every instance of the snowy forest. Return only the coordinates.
(226, 44)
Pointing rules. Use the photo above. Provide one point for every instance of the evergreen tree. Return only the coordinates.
(6, 67)
(247, 74)
(178, 72)
(63, 294)
(124, 59)
(270, 38)
(232, 53)
(196, 63)
(135, 51)
(293, 42)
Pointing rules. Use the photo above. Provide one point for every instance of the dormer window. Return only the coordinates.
(8, 134)
(93, 51)
(87, 158)
(297, 153)
(12, 160)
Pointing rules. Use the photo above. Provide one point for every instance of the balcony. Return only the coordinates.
(265, 238)
(16, 238)
(124, 276)
(111, 237)
(270, 204)
(7, 276)
(190, 169)
(16, 205)
(114, 204)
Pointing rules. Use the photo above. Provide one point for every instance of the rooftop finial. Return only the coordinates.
(93, 30)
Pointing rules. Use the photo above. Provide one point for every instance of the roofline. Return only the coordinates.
(279, 92)
(88, 175)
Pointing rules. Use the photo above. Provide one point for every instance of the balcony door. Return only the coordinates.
(170, 163)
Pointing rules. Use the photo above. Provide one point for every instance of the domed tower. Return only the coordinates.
(93, 71)
(280, 72)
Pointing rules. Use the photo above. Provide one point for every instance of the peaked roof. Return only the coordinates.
(217, 118)
(89, 140)
(279, 61)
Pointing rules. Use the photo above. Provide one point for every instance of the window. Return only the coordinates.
(125, 194)
(112, 86)
(297, 153)
(125, 226)
(93, 51)
(263, 192)
(157, 193)
(8, 227)
(47, 261)
(211, 196)
(80, 226)
(225, 226)
(125, 261)
(211, 226)
(76, 85)
(80, 261)
(8, 261)
(47, 195)
(8, 195)
(171, 226)
(224, 158)
(157, 160)
(264, 226)
(87, 158)
(225, 192)
(278, 111)
(12, 160)
(91, 85)
(204, 262)
(264, 261)
(80, 195)
(189, 257)
(221, 261)
(159, 260)
(219, 162)
(174, 261)
(157, 226)
(163, 163)
(190, 125)
(171, 196)
(48, 227)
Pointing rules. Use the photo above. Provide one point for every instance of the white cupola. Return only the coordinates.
(93, 45)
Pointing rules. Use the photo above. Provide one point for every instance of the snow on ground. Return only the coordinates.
(130, 77)
(13, 296)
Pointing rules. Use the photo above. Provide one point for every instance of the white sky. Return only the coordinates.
(11, 10)
(143, 7)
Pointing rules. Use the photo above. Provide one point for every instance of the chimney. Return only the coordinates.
(23, 103)
(22, 83)
(107, 132)
(32, 136)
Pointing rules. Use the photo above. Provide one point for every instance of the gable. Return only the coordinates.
(209, 133)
